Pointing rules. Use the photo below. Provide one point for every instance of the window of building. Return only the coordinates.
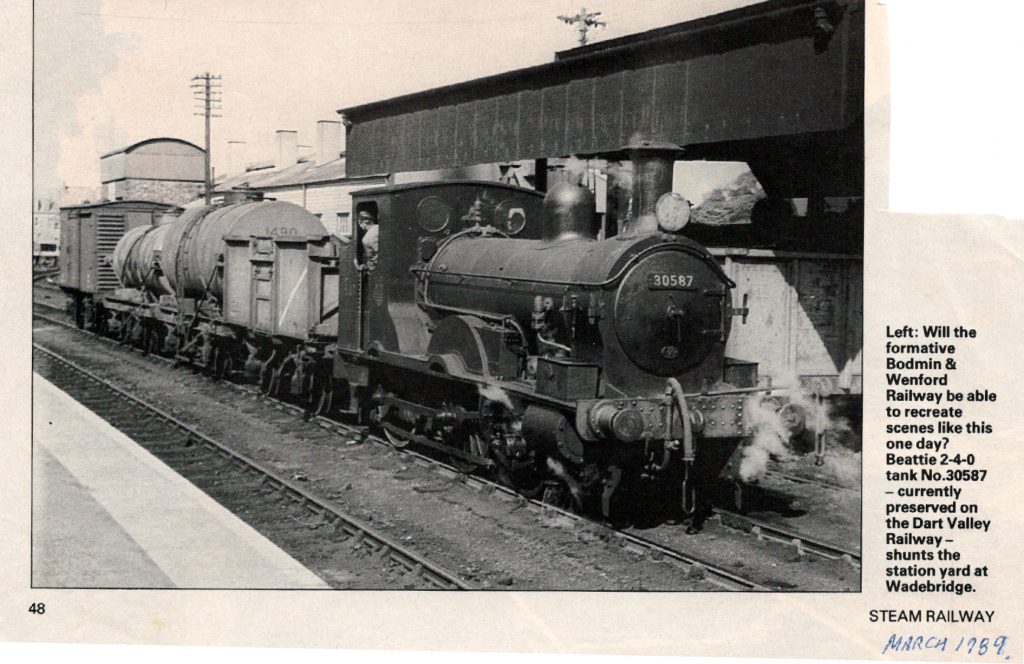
(344, 224)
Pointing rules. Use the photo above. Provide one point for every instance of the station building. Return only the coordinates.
(317, 181)
(163, 170)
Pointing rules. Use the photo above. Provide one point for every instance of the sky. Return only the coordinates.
(112, 72)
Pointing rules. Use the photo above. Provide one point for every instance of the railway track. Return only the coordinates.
(802, 543)
(631, 541)
(804, 479)
(162, 434)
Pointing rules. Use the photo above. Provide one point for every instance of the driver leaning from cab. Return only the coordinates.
(368, 226)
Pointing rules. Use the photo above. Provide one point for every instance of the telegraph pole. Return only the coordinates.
(586, 20)
(206, 89)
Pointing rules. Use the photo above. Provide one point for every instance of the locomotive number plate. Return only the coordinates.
(662, 281)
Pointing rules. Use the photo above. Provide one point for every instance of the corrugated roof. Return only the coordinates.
(133, 146)
(304, 172)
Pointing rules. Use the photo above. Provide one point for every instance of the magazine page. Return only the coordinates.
(640, 328)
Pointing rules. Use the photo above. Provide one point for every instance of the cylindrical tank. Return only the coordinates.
(195, 242)
(134, 259)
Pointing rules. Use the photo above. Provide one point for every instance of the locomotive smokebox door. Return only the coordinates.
(669, 311)
(565, 379)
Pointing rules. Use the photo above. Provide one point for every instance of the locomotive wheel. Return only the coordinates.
(521, 478)
(557, 494)
(397, 440)
(467, 442)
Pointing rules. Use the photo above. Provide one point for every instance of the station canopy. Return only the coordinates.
(778, 85)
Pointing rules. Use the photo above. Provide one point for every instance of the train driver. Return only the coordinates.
(369, 231)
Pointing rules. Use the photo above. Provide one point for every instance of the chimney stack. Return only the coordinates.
(653, 164)
(287, 147)
(236, 158)
(328, 141)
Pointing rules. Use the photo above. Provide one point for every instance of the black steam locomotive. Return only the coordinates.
(484, 321)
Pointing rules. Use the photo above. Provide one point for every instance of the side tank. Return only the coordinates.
(195, 244)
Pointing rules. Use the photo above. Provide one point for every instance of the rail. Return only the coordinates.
(333, 515)
(716, 574)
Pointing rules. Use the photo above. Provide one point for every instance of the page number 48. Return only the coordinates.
(38, 608)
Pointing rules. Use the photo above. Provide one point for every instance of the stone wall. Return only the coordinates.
(160, 191)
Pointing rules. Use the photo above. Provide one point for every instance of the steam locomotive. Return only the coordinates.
(487, 322)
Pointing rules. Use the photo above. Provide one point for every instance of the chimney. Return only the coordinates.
(653, 164)
(236, 158)
(328, 141)
(287, 147)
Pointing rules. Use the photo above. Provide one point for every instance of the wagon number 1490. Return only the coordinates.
(670, 281)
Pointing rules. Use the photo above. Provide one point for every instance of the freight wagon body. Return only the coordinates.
(252, 283)
(88, 236)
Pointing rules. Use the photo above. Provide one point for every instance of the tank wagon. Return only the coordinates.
(246, 285)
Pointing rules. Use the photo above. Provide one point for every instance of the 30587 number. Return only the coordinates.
(669, 281)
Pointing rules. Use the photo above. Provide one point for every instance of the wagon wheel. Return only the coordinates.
(320, 397)
(224, 365)
(309, 396)
(153, 342)
(274, 388)
(266, 378)
(210, 361)
(124, 334)
(78, 309)
(137, 334)
(326, 401)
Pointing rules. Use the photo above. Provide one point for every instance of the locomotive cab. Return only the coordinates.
(378, 310)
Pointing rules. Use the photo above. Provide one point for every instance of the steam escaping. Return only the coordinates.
(772, 434)
(496, 394)
(844, 465)
(620, 175)
(575, 170)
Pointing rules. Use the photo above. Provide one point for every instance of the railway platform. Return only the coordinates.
(108, 514)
